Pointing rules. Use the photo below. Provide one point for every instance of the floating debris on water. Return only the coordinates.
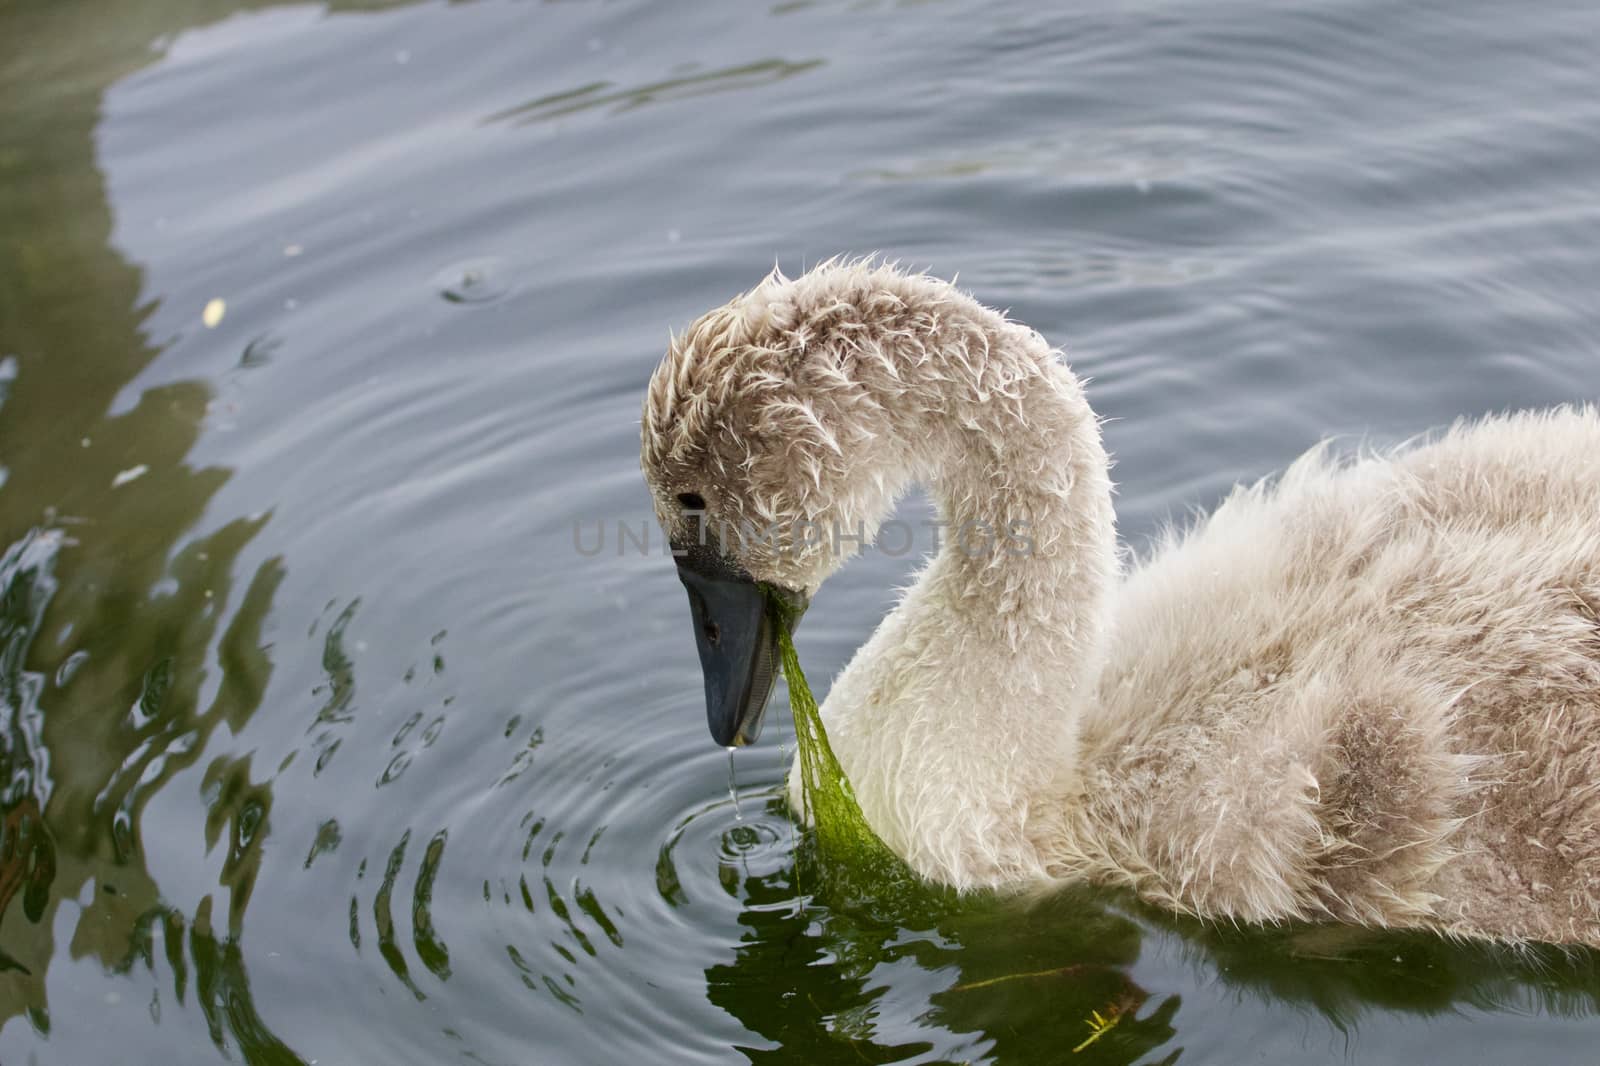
(1099, 1025)
(128, 475)
(474, 281)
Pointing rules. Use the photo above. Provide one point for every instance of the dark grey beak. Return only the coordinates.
(736, 631)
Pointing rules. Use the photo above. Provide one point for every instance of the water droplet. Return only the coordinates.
(474, 281)
(747, 840)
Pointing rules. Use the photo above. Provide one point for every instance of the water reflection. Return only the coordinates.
(1346, 972)
(1054, 979)
(111, 606)
(604, 94)
(221, 985)
(27, 850)
(1001, 981)
(121, 722)
(202, 671)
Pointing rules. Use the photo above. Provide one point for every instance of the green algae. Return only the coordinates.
(852, 864)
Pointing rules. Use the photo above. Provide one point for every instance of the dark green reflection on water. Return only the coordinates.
(1346, 972)
(108, 611)
(221, 986)
(1025, 977)
(27, 852)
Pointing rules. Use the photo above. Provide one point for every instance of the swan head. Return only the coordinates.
(775, 436)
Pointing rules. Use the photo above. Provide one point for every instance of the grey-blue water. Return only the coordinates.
(321, 741)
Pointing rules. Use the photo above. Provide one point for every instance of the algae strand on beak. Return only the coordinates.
(844, 842)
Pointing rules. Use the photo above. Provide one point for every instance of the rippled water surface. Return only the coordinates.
(322, 326)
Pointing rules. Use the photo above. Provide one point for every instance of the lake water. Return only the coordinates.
(323, 328)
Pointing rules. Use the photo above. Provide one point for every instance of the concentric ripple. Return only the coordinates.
(727, 846)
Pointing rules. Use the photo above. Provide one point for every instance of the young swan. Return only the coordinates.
(1369, 692)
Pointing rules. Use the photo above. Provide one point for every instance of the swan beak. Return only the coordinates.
(737, 636)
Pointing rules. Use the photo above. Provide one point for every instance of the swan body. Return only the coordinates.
(1368, 691)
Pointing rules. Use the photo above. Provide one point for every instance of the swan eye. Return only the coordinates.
(692, 501)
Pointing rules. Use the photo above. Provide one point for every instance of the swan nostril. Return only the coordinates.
(713, 633)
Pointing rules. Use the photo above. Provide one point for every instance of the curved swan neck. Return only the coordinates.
(973, 685)
(1020, 588)
(1030, 552)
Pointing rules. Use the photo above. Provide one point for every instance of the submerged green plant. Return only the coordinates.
(851, 859)
(1099, 1025)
